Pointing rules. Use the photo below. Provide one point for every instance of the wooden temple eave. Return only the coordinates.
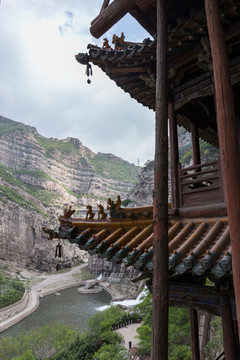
(199, 248)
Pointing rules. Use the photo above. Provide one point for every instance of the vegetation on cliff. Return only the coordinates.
(64, 169)
(11, 289)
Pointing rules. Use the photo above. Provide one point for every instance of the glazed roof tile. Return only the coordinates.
(200, 247)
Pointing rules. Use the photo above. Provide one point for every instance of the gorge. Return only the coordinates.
(41, 176)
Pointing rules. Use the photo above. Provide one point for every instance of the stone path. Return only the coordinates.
(129, 332)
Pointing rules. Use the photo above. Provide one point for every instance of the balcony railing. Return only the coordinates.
(201, 184)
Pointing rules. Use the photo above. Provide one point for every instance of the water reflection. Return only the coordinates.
(70, 308)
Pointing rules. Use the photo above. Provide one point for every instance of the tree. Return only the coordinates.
(28, 355)
(179, 330)
(42, 342)
(104, 320)
(110, 352)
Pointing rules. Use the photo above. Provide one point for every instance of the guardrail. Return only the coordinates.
(200, 184)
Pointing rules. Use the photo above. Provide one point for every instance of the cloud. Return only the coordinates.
(42, 85)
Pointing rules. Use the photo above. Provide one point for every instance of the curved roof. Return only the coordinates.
(132, 65)
(197, 247)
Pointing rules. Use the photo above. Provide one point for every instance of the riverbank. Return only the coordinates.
(42, 284)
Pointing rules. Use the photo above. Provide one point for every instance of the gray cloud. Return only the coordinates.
(42, 85)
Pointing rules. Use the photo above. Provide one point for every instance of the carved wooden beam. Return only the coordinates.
(110, 15)
(104, 5)
(147, 24)
(114, 70)
(144, 4)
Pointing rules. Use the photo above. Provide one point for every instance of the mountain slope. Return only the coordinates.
(38, 176)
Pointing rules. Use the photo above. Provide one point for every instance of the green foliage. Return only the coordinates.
(215, 345)
(50, 144)
(11, 291)
(114, 169)
(179, 334)
(179, 330)
(187, 156)
(110, 352)
(145, 330)
(35, 173)
(104, 320)
(145, 336)
(7, 126)
(27, 355)
(7, 175)
(82, 348)
(208, 152)
(100, 342)
(40, 343)
(45, 196)
(6, 192)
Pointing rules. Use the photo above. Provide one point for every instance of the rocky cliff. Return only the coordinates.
(38, 177)
(142, 192)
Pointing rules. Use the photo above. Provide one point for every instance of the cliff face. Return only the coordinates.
(38, 176)
(142, 193)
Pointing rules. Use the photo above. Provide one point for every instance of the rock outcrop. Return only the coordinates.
(38, 177)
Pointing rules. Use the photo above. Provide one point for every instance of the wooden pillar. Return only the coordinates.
(227, 132)
(228, 332)
(236, 96)
(203, 328)
(174, 155)
(194, 334)
(195, 144)
(160, 199)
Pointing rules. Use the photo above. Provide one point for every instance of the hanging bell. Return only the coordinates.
(58, 251)
(89, 72)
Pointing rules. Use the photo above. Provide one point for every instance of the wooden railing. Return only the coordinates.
(200, 184)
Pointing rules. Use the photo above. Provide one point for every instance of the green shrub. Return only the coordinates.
(12, 291)
(40, 343)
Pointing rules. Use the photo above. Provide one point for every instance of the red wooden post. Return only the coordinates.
(174, 155)
(160, 200)
(194, 334)
(227, 131)
(228, 332)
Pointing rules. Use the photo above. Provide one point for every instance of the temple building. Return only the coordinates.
(188, 71)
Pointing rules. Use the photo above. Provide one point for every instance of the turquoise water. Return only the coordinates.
(69, 308)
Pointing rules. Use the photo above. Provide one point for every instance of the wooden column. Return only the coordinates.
(194, 334)
(174, 155)
(203, 329)
(160, 199)
(195, 144)
(228, 332)
(227, 132)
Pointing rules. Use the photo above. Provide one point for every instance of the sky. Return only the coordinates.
(42, 84)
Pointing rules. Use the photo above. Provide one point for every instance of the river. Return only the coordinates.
(70, 308)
